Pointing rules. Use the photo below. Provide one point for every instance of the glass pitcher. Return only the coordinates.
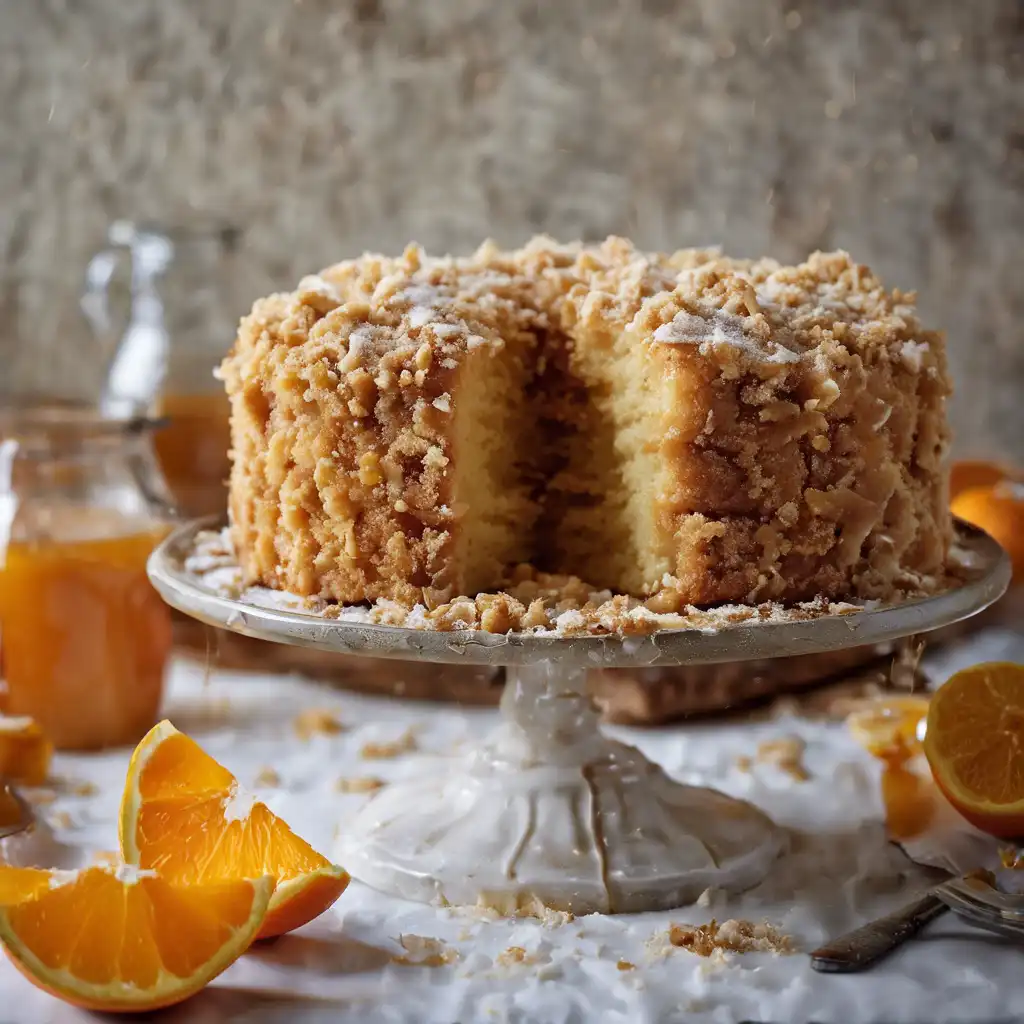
(161, 303)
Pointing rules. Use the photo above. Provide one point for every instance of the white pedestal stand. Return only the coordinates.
(547, 810)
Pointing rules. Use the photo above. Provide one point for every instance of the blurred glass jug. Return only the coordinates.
(160, 302)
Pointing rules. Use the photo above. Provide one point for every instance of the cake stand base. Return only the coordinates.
(548, 813)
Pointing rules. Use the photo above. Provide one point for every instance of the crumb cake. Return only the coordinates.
(683, 428)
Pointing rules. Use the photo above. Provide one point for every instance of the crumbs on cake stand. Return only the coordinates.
(535, 602)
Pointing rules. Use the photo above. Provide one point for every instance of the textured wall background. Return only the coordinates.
(894, 128)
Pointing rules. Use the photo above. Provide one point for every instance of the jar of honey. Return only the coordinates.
(165, 303)
(84, 638)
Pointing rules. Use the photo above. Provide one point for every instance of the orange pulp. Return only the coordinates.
(193, 450)
(85, 638)
(888, 729)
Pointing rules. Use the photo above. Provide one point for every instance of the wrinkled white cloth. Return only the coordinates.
(841, 872)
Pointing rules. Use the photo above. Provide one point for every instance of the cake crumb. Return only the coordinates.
(522, 905)
(786, 754)
(731, 936)
(268, 777)
(373, 751)
(513, 955)
(83, 788)
(359, 784)
(316, 722)
(61, 819)
(625, 965)
(744, 763)
(424, 951)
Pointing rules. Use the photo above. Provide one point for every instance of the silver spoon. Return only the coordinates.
(26, 816)
(971, 897)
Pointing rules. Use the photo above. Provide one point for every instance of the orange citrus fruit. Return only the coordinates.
(120, 939)
(999, 511)
(888, 727)
(25, 751)
(966, 474)
(975, 746)
(185, 816)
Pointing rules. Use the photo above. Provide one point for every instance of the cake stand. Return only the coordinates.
(547, 811)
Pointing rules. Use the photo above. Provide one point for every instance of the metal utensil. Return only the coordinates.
(866, 945)
(984, 906)
(972, 897)
(25, 816)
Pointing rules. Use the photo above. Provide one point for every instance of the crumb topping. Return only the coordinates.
(539, 603)
(359, 784)
(797, 445)
(787, 755)
(425, 951)
(733, 936)
(316, 722)
(374, 751)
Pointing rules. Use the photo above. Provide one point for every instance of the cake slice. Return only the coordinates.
(381, 433)
(764, 432)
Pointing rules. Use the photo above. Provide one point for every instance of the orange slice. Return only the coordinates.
(975, 746)
(999, 511)
(25, 751)
(120, 939)
(888, 727)
(185, 816)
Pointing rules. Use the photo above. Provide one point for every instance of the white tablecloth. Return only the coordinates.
(342, 967)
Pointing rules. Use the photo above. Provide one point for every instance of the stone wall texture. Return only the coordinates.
(318, 129)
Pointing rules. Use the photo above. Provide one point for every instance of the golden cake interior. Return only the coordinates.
(413, 429)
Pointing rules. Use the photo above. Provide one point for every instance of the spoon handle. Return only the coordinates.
(865, 946)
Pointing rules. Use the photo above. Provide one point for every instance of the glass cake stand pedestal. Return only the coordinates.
(547, 811)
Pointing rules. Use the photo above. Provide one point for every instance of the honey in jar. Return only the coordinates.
(84, 638)
(193, 450)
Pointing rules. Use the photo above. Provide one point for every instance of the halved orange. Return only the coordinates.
(185, 816)
(975, 746)
(120, 939)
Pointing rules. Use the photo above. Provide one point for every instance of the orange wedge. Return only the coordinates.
(184, 815)
(117, 939)
(25, 751)
(975, 746)
(999, 511)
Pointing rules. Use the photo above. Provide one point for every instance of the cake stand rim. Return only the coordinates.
(741, 641)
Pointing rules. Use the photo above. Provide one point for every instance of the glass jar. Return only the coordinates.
(84, 638)
(162, 302)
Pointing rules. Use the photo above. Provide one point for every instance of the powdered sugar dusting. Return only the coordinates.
(420, 316)
(912, 354)
(719, 328)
